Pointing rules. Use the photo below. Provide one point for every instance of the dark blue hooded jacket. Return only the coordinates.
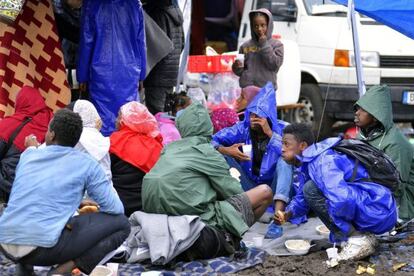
(263, 105)
(112, 55)
(369, 207)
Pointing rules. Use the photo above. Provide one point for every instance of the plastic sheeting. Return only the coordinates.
(397, 14)
(136, 117)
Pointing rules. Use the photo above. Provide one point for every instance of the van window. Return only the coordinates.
(282, 10)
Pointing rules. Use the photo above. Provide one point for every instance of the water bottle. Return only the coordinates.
(274, 231)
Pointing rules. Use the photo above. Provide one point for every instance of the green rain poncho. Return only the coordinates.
(192, 178)
(377, 102)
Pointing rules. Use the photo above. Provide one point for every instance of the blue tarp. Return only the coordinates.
(397, 14)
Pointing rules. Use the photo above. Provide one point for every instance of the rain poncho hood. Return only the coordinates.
(369, 207)
(112, 70)
(269, 16)
(167, 127)
(192, 178)
(263, 105)
(29, 104)
(195, 121)
(138, 140)
(377, 102)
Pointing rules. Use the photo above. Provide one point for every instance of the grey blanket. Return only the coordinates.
(165, 236)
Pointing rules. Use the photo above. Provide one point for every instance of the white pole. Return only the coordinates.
(357, 52)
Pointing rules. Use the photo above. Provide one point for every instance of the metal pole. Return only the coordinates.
(357, 51)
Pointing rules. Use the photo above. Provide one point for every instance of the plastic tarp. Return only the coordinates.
(397, 14)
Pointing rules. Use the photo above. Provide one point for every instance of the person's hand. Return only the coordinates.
(88, 206)
(262, 38)
(281, 217)
(234, 152)
(262, 122)
(31, 141)
(238, 64)
(83, 86)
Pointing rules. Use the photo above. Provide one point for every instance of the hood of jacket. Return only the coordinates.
(269, 23)
(377, 102)
(264, 106)
(195, 121)
(316, 149)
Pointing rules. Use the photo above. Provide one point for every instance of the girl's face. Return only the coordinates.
(241, 103)
(260, 25)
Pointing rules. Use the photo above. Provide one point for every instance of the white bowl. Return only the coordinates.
(298, 247)
(323, 230)
(101, 270)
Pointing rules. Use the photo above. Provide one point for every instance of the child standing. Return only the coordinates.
(263, 55)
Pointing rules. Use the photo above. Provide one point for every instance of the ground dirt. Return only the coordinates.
(312, 265)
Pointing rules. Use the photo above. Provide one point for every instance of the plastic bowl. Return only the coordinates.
(323, 230)
(298, 247)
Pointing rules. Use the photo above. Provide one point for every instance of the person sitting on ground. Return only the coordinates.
(192, 178)
(352, 211)
(37, 227)
(31, 116)
(223, 118)
(92, 141)
(373, 116)
(135, 148)
(263, 131)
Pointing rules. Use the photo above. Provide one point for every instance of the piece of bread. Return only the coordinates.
(88, 209)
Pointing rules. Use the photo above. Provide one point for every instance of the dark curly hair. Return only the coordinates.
(301, 131)
(67, 126)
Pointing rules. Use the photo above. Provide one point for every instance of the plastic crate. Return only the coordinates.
(210, 64)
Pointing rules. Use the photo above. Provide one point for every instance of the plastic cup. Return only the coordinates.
(332, 253)
(101, 270)
(240, 57)
(258, 241)
(247, 149)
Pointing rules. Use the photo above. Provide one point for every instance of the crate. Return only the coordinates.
(210, 64)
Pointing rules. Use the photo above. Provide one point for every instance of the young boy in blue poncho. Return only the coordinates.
(353, 211)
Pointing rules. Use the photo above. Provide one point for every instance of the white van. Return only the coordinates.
(320, 28)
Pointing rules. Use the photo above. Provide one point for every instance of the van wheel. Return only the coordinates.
(310, 97)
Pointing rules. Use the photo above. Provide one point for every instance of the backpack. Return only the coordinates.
(380, 167)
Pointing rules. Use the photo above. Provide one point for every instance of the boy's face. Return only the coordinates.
(49, 136)
(363, 119)
(291, 147)
(260, 25)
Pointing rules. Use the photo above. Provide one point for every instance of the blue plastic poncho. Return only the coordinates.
(369, 207)
(111, 55)
(263, 105)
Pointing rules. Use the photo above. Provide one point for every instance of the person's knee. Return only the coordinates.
(123, 224)
(309, 189)
(266, 193)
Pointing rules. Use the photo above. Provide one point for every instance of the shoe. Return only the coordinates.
(24, 270)
(358, 247)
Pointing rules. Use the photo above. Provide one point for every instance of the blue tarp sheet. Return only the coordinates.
(397, 14)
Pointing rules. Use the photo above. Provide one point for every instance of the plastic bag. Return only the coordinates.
(224, 92)
(197, 95)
